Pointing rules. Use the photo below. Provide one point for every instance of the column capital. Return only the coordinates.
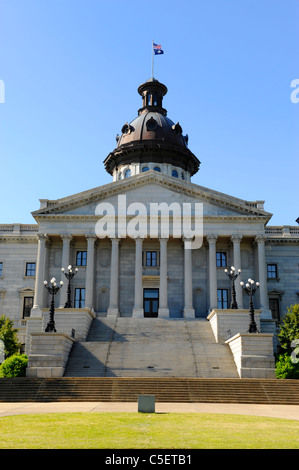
(212, 238)
(90, 236)
(261, 238)
(66, 236)
(235, 238)
(42, 236)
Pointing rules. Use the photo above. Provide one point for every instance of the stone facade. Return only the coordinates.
(47, 246)
(117, 272)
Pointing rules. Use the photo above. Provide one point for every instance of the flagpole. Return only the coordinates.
(152, 59)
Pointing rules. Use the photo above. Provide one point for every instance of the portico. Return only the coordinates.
(136, 268)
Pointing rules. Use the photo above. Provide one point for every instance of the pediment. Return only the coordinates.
(147, 189)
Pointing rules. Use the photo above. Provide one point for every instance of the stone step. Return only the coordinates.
(267, 391)
(150, 347)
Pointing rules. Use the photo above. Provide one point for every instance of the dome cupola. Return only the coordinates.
(152, 141)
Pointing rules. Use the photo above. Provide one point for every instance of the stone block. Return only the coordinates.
(146, 403)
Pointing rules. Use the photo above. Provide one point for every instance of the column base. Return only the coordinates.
(36, 312)
(113, 311)
(138, 312)
(189, 312)
(266, 314)
(163, 312)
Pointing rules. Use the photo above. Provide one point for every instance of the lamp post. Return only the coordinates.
(69, 275)
(250, 290)
(53, 289)
(232, 274)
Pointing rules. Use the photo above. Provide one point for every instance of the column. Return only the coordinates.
(163, 291)
(113, 306)
(262, 277)
(212, 271)
(138, 303)
(188, 308)
(236, 239)
(66, 241)
(89, 280)
(36, 310)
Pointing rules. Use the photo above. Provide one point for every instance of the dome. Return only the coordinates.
(152, 136)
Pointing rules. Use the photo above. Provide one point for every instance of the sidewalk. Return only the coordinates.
(274, 411)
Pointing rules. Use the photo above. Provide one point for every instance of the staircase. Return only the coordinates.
(150, 347)
(172, 390)
(177, 360)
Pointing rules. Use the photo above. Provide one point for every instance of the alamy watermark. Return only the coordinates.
(295, 353)
(136, 220)
(295, 93)
(2, 351)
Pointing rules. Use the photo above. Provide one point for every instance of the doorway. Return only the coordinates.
(150, 302)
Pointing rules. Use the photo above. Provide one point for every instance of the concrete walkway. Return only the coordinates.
(274, 411)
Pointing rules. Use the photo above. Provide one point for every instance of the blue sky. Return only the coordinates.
(71, 70)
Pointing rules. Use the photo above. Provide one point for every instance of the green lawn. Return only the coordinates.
(146, 431)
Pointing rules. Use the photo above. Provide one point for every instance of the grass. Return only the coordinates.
(146, 431)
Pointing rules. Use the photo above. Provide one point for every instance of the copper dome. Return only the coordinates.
(152, 136)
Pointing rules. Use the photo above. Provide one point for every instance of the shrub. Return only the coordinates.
(289, 329)
(286, 368)
(14, 366)
(8, 335)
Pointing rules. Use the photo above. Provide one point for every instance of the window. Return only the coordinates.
(127, 173)
(81, 258)
(30, 269)
(119, 175)
(79, 297)
(145, 168)
(1, 268)
(151, 258)
(175, 173)
(157, 168)
(182, 176)
(272, 271)
(27, 306)
(155, 100)
(274, 307)
(221, 259)
(222, 298)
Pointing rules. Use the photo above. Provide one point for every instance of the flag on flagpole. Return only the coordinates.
(157, 49)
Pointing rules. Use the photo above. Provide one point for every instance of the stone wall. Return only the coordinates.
(253, 355)
(227, 323)
(48, 354)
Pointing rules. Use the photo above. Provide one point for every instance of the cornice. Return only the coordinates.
(79, 218)
(282, 241)
(18, 238)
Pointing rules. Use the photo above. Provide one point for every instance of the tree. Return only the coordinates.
(8, 334)
(290, 328)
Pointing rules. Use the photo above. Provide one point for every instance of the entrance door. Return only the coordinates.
(150, 302)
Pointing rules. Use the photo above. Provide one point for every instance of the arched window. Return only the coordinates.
(175, 173)
(145, 168)
(157, 168)
(155, 100)
(127, 173)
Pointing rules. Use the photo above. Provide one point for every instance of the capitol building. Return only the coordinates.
(129, 262)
